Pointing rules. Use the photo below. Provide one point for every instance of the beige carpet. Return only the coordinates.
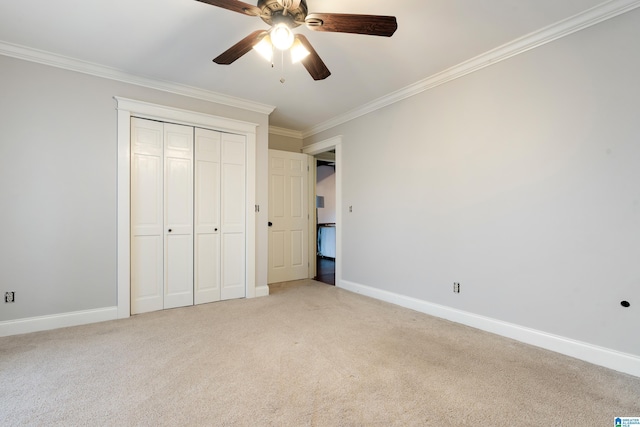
(308, 355)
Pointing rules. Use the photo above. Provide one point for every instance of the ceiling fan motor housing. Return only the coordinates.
(291, 12)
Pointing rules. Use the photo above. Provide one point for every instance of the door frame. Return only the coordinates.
(334, 143)
(127, 108)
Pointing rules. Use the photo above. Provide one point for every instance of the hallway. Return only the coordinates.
(326, 270)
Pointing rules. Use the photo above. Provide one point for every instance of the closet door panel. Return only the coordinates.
(207, 196)
(233, 261)
(233, 183)
(178, 215)
(179, 195)
(147, 226)
(233, 190)
(178, 290)
(146, 274)
(207, 217)
(207, 271)
(233, 205)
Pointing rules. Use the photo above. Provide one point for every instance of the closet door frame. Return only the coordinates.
(128, 108)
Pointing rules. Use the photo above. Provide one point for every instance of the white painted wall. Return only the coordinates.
(285, 143)
(520, 181)
(326, 187)
(58, 167)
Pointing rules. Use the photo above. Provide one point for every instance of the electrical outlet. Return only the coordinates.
(10, 296)
(456, 287)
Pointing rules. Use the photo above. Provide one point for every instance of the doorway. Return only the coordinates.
(326, 217)
(333, 148)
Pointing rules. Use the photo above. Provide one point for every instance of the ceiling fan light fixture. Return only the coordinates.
(283, 16)
(281, 36)
(264, 48)
(298, 51)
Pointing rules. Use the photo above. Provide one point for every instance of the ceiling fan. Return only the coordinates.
(283, 16)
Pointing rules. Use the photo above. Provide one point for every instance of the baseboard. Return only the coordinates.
(54, 321)
(612, 359)
(262, 291)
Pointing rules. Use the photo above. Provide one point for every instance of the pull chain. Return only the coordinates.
(282, 80)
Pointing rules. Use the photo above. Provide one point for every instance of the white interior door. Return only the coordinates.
(178, 215)
(233, 187)
(147, 226)
(207, 217)
(288, 216)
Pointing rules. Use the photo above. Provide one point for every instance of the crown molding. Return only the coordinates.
(586, 19)
(285, 132)
(72, 64)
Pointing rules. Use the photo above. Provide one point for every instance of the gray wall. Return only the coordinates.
(58, 169)
(520, 181)
(285, 143)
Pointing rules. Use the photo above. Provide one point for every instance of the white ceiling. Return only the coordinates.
(176, 40)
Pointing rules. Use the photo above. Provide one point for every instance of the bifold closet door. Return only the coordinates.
(220, 189)
(147, 220)
(161, 215)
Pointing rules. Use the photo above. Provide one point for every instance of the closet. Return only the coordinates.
(188, 222)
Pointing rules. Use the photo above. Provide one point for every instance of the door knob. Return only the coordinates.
(215, 229)
(169, 230)
(270, 223)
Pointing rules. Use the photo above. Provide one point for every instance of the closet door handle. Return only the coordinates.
(215, 229)
(169, 230)
(270, 223)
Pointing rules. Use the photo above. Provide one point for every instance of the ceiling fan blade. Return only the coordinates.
(314, 65)
(235, 5)
(237, 50)
(374, 25)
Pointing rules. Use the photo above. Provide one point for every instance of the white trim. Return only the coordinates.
(588, 18)
(250, 209)
(93, 69)
(530, 41)
(262, 291)
(128, 108)
(55, 321)
(123, 223)
(334, 143)
(312, 244)
(597, 355)
(274, 130)
(180, 116)
(322, 146)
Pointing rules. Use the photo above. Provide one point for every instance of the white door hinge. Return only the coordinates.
(257, 208)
